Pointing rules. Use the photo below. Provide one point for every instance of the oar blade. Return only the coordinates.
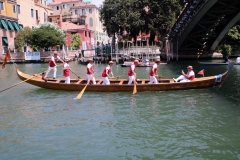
(134, 89)
(81, 93)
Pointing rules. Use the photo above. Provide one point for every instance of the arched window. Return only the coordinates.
(90, 21)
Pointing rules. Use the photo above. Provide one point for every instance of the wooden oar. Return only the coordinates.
(17, 84)
(135, 87)
(25, 80)
(81, 93)
(75, 74)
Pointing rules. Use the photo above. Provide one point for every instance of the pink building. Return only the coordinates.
(87, 35)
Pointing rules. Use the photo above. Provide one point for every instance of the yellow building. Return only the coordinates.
(9, 25)
(16, 14)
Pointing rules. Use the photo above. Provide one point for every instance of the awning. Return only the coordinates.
(5, 40)
(20, 27)
(10, 25)
(4, 24)
(16, 26)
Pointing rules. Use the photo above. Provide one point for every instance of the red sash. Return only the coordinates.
(130, 71)
(191, 77)
(66, 72)
(104, 72)
(90, 70)
(153, 73)
(51, 64)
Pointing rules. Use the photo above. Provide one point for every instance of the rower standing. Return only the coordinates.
(52, 64)
(90, 72)
(131, 72)
(154, 72)
(106, 72)
(66, 71)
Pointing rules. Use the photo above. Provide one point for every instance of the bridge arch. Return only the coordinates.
(202, 25)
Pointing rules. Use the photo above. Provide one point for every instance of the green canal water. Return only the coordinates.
(39, 123)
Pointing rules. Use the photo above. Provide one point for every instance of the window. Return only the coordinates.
(32, 13)
(85, 33)
(41, 1)
(1, 6)
(14, 8)
(90, 10)
(50, 19)
(90, 21)
(57, 8)
(83, 12)
(18, 9)
(45, 17)
(63, 6)
(4, 41)
(89, 33)
(37, 18)
(76, 11)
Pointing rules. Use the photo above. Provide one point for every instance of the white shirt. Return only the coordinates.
(191, 73)
(53, 59)
(238, 60)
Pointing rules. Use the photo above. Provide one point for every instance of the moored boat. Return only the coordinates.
(140, 65)
(214, 63)
(120, 85)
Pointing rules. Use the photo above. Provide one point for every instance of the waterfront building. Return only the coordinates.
(81, 13)
(33, 12)
(83, 30)
(9, 25)
(16, 14)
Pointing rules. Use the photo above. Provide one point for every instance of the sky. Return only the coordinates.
(96, 2)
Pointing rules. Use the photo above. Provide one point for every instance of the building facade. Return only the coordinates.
(33, 12)
(83, 14)
(16, 14)
(9, 25)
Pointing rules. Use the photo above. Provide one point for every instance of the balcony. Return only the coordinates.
(74, 20)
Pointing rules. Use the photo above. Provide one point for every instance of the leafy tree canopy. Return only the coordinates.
(76, 40)
(47, 35)
(150, 16)
(22, 38)
(230, 42)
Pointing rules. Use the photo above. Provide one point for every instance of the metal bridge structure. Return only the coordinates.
(202, 25)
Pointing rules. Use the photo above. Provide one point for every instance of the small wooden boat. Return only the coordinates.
(214, 63)
(120, 85)
(83, 60)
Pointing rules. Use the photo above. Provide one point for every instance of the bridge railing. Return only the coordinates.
(185, 17)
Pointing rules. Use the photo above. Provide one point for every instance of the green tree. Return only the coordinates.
(76, 40)
(150, 16)
(22, 38)
(47, 35)
(230, 42)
